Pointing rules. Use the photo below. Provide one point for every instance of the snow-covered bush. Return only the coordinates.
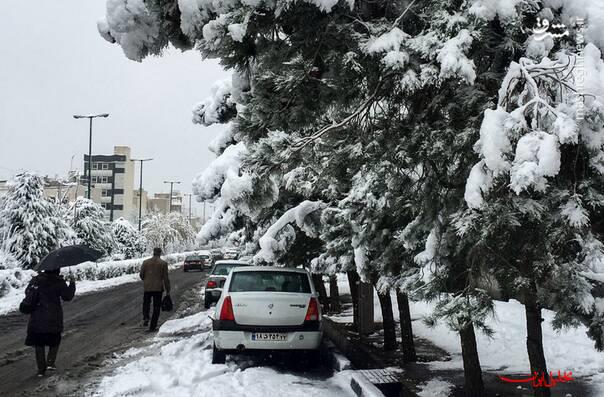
(32, 222)
(87, 219)
(171, 232)
(128, 240)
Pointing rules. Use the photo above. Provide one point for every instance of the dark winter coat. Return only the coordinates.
(47, 315)
(154, 273)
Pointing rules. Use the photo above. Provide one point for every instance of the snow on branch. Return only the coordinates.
(133, 27)
(538, 109)
(217, 108)
(208, 184)
(278, 237)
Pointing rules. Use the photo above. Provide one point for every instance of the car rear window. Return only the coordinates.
(269, 281)
(224, 270)
(196, 257)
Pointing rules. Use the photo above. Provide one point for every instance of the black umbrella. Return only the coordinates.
(68, 256)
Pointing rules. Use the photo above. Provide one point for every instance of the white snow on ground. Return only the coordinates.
(566, 350)
(178, 363)
(436, 388)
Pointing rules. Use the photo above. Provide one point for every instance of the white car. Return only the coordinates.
(216, 279)
(267, 308)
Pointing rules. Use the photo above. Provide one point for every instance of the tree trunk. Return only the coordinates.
(320, 287)
(473, 385)
(334, 294)
(353, 283)
(534, 345)
(388, 319)
(407, 344)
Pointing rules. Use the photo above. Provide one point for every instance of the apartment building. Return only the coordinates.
(160, 202)
(113, 175)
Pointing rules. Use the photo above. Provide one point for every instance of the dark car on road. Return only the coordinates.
(201, 261)
(216, 278)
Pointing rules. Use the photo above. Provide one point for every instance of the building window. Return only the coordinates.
(93, 179)
(105, 193)
(104, 179)
(95, 166)
(105, 166)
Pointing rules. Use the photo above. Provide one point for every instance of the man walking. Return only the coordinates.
(154, 273)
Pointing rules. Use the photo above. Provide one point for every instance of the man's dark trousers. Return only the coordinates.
(156, 307)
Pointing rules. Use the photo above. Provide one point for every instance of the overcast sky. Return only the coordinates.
(54, 64)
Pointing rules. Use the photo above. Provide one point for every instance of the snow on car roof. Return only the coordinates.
(270, 268)
(231, 261)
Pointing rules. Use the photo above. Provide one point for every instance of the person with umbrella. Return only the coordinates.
(43, 302)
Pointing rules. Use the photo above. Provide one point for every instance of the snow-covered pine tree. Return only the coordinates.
(128, 240)
(32, 223)
(87, 219)
(327, 91)
(535, 196)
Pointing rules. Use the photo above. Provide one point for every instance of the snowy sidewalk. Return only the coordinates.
(503, 354)
(178, 363)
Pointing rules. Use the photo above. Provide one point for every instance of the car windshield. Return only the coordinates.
(224, 269)
(269, 281)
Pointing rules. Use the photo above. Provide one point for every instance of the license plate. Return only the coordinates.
(272, 337)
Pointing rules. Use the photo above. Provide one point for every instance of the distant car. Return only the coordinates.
(216, 254)
(231, 253)
(267, 308)
(201, 261)
(247, 258)
(216, 279)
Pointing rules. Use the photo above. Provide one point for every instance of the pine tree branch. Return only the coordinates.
(301, 143)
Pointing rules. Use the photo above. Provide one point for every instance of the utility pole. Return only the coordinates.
(172, 183)
(190, 195)
(90, 117)
(140, 193)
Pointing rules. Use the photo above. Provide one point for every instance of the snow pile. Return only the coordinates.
(177, 364)
(436, 388)
(14, 279)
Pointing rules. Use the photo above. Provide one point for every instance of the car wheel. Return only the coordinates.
(184, 270)
(218, 357)
(207, 302)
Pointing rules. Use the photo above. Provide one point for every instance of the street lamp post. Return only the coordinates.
(172, 183)
(190, 195)
(90, 117)
(140, 193)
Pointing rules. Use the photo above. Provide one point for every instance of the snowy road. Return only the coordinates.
(96, 325)
(178, 363)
